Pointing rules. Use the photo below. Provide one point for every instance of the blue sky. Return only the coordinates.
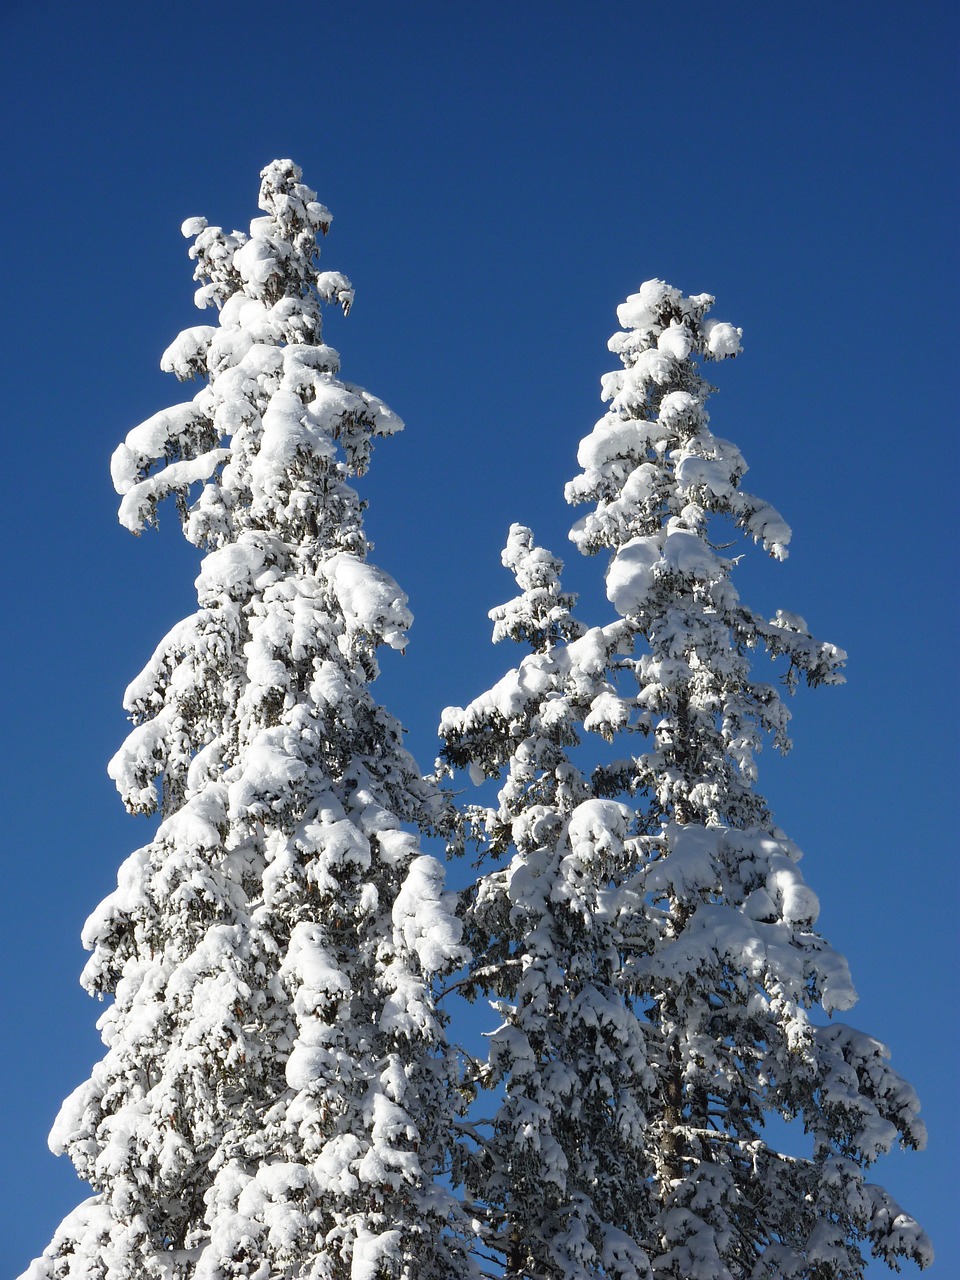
(501, 176)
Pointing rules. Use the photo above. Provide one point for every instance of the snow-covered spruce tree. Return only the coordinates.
(646, 935)
(276, 1096)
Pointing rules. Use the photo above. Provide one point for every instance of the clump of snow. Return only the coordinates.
(423, 916)
(695, 471)
(371, 1252)
(721, 339)
(186, 356)
(641, 309)
(597, 826)
(676, 341)
(631, 576)
(370, 599)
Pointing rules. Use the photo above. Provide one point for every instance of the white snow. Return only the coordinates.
(370, 599)
(631, 575)
(722, 339)
(640, 309)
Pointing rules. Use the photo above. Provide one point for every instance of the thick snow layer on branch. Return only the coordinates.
(641, 309)
(370, 599)
(722, 339)
(631, 576)
(176, 477)
(151, 440)
(423, 916)
(371, 1252)
(187, 354)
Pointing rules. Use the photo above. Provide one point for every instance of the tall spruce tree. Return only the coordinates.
(275, 1100)
(644, 931)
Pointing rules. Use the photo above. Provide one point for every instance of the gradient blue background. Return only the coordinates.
(501, 176)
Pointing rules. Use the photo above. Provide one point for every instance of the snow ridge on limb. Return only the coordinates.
(643, 930)
(277, 1096)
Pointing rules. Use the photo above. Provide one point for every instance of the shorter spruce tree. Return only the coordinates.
(643, 929)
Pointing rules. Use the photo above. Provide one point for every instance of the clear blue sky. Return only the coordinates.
(501, 175)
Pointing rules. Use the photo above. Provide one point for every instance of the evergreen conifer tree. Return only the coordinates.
(276, 1095)
(644, 931)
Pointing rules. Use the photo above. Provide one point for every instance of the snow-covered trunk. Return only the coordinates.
(277, 1095)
